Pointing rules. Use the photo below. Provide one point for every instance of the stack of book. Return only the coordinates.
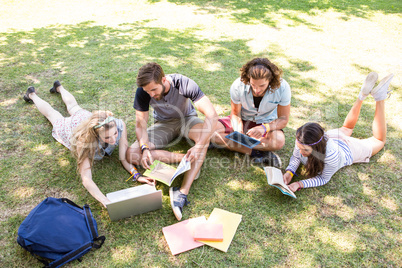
(218, 232)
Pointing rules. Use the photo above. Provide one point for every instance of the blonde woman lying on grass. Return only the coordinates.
(90, 136)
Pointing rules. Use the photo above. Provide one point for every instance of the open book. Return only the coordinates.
(275, 178)
(166, 173)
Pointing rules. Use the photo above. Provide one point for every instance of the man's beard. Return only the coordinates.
(160, 96)
(261, 94)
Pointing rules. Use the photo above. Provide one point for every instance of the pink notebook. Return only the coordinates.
(209, 231)
(180, 236)
(230, 222)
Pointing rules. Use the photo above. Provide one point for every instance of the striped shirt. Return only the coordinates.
(337, 156)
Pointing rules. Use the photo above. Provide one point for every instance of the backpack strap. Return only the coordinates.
(92, 229)
(66, 200)
(72, 255)
(90, 222)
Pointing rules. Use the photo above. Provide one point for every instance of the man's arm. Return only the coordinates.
(283, 118)
(141, 120)
(205, 106)
(235, 117)
(279, 123)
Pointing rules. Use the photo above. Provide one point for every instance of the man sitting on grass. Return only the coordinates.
(260, 101)
(170, 96)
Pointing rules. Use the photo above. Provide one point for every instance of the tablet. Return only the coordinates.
(243, 139)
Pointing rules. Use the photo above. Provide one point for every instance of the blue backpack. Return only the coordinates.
(59, 230)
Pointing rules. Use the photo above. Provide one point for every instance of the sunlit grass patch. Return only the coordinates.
(95, 49)
(343, 241)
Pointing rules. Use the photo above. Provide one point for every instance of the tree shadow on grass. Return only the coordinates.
(261, 11)
(98, 65)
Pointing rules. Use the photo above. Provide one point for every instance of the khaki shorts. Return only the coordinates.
(167, 133)
(361, 150)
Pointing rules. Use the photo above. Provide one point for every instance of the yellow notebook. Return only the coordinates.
(230, 221)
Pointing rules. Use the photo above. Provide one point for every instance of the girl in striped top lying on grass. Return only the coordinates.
(324, 153)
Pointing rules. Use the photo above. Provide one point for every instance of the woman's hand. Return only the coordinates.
(105, 202)
(287, 178)
(294, 186)
(146, 180)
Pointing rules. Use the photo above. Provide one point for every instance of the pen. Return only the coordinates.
(130, 177)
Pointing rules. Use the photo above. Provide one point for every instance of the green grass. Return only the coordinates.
(325, 48)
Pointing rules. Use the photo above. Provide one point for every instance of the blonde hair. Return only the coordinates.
(85, 138)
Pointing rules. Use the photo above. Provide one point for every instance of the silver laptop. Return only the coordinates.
(133, 201)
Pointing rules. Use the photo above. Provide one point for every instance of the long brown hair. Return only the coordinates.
(261, 68)
(312, 134)
(84, 140)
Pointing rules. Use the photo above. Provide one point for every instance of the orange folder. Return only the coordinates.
(209, 231)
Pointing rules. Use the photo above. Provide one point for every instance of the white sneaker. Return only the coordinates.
(368, 85)
(380, 92)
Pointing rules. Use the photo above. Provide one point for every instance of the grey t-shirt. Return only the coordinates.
(176, 103)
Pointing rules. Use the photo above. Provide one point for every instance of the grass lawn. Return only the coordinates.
(325, 48)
